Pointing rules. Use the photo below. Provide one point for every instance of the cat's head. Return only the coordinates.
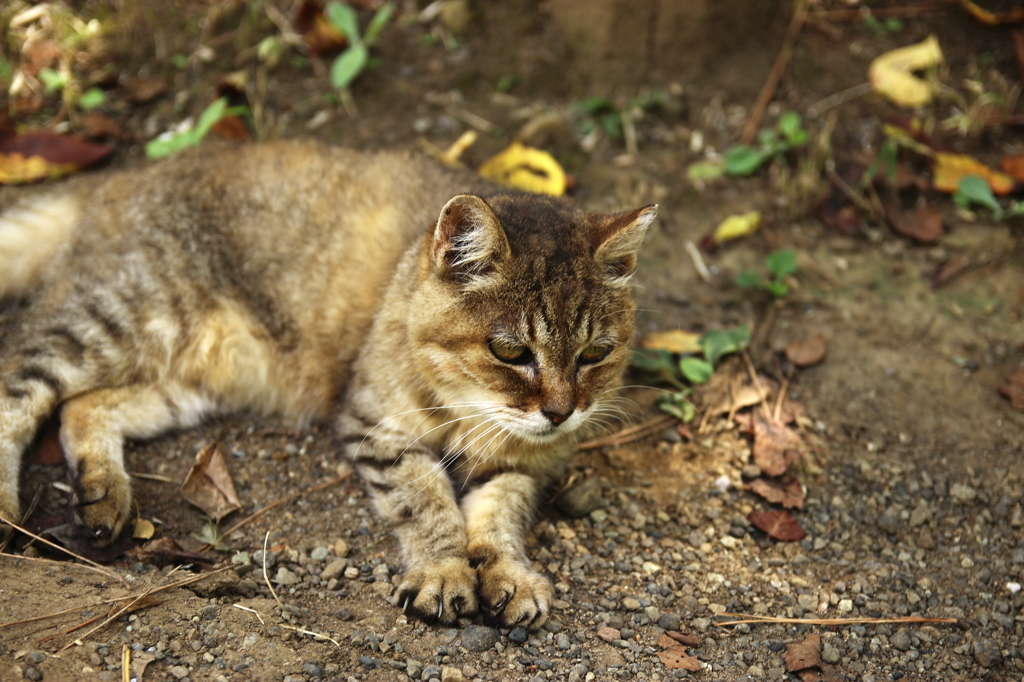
(523, 310)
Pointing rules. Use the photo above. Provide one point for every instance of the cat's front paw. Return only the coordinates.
(513, 594)
(441, 591)
(8, 511)
(103, 501)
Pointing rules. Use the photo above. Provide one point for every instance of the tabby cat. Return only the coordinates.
(460, 353)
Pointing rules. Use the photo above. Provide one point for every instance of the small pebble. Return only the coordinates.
(319, 554)
(987, 653)
(518, 635)
(901, 640)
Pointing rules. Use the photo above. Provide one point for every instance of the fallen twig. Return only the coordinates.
(266, 579)
(252, 611)
(631, 433)
(768, 91)
(54, 545)
(748, 618)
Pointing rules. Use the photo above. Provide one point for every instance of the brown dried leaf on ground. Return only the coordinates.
(35, 156)
(1013, 390)
(318, 33)
(776, 446)
(674, 638)
(145, 90)
(98, 126)
(951, 168)
(1014, 165)
(949, 269)
(807, 352)
(788, 492)
(164, 551)
(803, 654)
(209, 485)
(923, 224)
(779, 524)
(673, 655)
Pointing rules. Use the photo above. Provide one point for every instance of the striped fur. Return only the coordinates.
(294, 278)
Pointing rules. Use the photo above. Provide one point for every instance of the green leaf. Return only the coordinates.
(697, 371)
(704, 170)
(594, 105)
(211, 535)
(750, 279)
(211, 114)
(179, 61)
(767, 137)
(974, 189)
(611, 122)
(790, 124)
(654, 361)
(740, 336)
(51, 79)
(778, 289)
(343, 18)
(377, 24)
(781, 262)
(678, 406)
(348, 65)
(741, 160)
(717, 343)
(91, 98)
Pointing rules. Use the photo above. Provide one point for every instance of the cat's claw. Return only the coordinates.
(514, 595)
(442, 591)
(103, 500)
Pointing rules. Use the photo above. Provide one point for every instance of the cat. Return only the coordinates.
(458, 333)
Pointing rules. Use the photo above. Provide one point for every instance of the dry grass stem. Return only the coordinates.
(266, 579)
(81, 558)
(252, 611)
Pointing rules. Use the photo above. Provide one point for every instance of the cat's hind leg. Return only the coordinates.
(93, 428)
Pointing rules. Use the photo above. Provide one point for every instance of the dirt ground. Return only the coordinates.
(914, 485)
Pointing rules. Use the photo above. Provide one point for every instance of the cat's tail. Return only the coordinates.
(31, 234)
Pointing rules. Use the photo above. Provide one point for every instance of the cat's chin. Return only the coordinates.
(547, 434)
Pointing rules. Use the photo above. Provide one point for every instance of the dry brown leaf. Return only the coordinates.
(209, 485)
(776, 446)
(164, 551)
(949, 269)
(1013, 390)
(608, 634)
(674, 341)
(951, 168)
(807, 352)
(787, 492)
(145, 90)
(1014, 165)
(803, 654)
(676, 658)
(692, 641)
(779, 524)
(318, 33)
(98, 126)
(35, 156)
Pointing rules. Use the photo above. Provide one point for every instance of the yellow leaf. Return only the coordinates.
(951, 168)
(736, 226)
(892, 74)
(17, 169)
(526, 168)
(675, 341)
(143, 529)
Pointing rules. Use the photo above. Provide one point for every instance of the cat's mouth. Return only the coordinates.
(538, 428)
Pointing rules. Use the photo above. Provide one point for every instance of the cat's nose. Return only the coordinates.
(557, 415)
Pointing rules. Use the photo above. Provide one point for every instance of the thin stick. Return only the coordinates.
(284, 500)
(151, 477)
(128, 607)
(780, 398)
(857, 199)
(126, 663)
(838, 98)
(24, 517)
(750, 618)
(252, 611)
(757, 384)
(266, 538)
(43, 540)
(316, 635)
(768, 91)
(698, 260)
(626, 435)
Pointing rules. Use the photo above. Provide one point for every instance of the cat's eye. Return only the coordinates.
(512, 353)
(594, 353)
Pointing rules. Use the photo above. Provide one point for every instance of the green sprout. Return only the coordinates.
(168, 144)
(661, 367)
(974, 189)
(350, 63)
(603, 112)
(789, 133)
(780, 263)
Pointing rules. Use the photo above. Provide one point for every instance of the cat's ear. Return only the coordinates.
(469, 241)
(617, 238)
